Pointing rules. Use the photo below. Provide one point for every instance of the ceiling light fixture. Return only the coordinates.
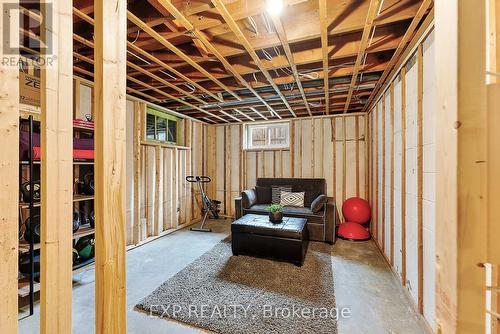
(274, 7)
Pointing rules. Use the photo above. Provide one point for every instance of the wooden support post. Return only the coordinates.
(313, 134)
(156, 223)
(420, 155)
(391, 91)
(356, 136)
(56, 172)
(9, 177)
(383, 173)
(227, 170)
(322, 141)
(139, 114)
(344, 162)
(300, 148)
(403, 175)
(367, 156)
(211, 160)
(110, 91)
(175, 188)
(292, 148)
(461, 163)
(334, 157)
(375, 226)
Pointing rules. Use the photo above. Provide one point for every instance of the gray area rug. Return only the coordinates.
(239, 294)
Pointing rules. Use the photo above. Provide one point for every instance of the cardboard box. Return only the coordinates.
(29, 89)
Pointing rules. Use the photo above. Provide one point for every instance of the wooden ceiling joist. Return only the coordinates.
(243, 40)
(141, 52)
(150, 31)
(199, 58)
(390, 68)
(365, 39)
(171, 69)
(198, 35)
(288, 52)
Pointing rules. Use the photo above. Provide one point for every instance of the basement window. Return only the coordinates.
(267, 136)
(162, 127)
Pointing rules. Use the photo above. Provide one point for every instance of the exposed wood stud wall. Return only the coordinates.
(407, 175)
(392, 172)
(282, 162)
(403, 173)
(382, 234)
(110, 92)
(9, 176)
(420, 237)
(56, 173)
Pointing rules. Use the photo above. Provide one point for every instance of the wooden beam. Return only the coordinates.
(171, 97)
(56, 171)
(150, 31)
(200, 36)
(420, 183)
(323, 14)
(403, 176)
(9, 176)
(143, 53)
(139, 119)
(426, 4)
(167, 67)
(370, 17)
(391, 92)
(461, 162)
(243, 40)
(110, 56)
(288, 52)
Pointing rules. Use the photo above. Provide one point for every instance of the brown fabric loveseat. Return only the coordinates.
(321, 214)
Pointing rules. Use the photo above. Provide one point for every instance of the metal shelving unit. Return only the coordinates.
(27, 286)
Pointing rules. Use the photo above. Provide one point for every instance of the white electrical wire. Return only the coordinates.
(267, 23)
(191, 87)
(168, 74)
(253, 24)
(138, 57)
(137, 37)
(267, 55)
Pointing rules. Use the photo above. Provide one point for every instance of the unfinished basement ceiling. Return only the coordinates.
(229, 61)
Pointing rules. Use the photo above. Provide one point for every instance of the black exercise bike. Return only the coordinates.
(209, 205)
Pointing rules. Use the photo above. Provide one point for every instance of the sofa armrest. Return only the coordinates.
(331, 219)
(248, 198)
(238, 208)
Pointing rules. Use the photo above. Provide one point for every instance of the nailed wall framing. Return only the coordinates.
(320, 153)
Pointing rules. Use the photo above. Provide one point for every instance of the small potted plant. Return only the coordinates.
(275, 213)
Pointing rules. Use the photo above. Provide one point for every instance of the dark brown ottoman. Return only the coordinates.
(255, 235)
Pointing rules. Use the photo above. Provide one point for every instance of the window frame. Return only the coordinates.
(268, 146)
(167, 118)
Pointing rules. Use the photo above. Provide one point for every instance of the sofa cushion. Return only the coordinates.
(318, 203)
(310, 196)
(292, 199)
(276, 193)
(311, 186)
(263, 195)
(248, 198)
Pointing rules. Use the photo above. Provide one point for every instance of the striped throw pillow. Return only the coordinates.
(276, 193)
(292, 199)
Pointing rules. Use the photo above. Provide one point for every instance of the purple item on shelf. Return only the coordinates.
(24, 145)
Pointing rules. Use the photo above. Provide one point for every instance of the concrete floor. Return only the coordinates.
(363, 283)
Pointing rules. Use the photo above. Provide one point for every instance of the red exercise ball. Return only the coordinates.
(352, 231)
(356, 210)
